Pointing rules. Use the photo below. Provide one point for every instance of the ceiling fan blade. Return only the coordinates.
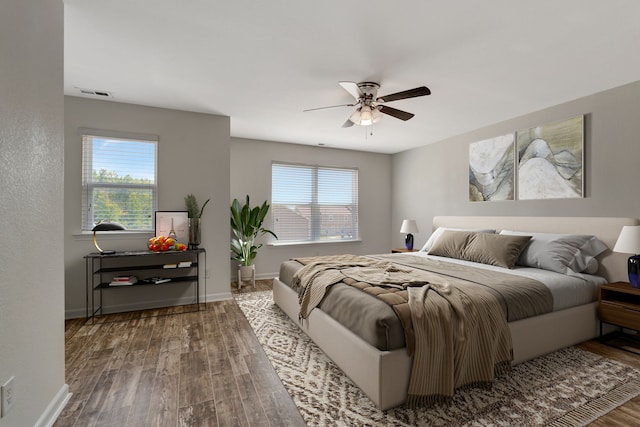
(398, 114)
(411, 93)
(347, 124)
(352, 88)
(332, 106)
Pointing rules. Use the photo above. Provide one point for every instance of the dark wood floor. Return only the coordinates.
(199, 368)
(203, 368)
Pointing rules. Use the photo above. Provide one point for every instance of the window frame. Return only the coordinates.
(314, 205)
(87, 217)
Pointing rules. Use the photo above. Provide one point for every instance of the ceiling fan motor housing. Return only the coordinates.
(369, 91)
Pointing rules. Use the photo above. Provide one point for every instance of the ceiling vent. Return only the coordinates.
(102, 93)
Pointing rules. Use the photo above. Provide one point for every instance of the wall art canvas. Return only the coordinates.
(550, 160)
(491, 174)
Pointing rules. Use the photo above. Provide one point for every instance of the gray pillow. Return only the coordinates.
(562, 253)
(485, 248)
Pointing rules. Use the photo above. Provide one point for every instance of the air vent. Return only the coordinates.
(103, 93)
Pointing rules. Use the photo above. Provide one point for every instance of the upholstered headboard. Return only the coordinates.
(613, 266)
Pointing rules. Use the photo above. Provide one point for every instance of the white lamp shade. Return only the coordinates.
(628, 240)
(409, 226)
(365, 116)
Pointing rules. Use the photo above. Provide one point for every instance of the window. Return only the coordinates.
(314, 203)
(118, 181)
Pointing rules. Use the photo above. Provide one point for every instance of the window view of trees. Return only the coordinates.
(119, 182)
(122, 199)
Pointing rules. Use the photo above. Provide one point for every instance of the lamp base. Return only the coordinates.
(108, 252)
(408, 242)
(634, 271)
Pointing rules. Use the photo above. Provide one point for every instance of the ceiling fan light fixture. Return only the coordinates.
(366, 118)
(376, 115)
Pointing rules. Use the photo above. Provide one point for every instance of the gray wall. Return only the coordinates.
(433, 180)
(193, 157)
(31, 209)
(251, 174)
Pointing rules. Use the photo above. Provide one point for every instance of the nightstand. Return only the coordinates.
(619, 305)
(402, 250)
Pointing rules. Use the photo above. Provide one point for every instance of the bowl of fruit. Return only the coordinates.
(164, 244)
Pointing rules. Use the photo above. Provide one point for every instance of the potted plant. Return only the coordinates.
(246, 224)
(194, 212)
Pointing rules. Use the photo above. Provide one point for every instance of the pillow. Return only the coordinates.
(434, 236)
(496, 249)
(562, 253)
(451, 244)
(485, 248)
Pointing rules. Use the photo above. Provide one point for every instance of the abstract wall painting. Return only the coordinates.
(491, 169)
(550, 160)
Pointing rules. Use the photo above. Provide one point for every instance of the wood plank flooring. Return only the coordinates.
(199, 368)
(171, 367)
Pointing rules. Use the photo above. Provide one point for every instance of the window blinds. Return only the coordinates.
(118, 182)
(314, 203)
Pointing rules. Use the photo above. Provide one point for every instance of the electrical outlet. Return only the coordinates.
(206, 274)
(8, 397)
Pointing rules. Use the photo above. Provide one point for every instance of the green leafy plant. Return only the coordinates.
(193, 210)
(246, 224)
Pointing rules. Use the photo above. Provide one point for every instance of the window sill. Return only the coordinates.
(319, 242)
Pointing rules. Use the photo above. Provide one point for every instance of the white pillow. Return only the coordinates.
(562, 253)
(438, 232)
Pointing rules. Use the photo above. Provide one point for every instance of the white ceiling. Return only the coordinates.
(263, 62)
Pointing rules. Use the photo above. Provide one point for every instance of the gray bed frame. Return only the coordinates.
(384, 375)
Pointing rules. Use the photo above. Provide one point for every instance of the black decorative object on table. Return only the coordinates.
(105, 226)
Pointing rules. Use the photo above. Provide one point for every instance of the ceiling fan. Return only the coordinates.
(370, 107)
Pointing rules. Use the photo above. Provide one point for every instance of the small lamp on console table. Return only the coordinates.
(409, 227)
(105, 226)
(629, 243)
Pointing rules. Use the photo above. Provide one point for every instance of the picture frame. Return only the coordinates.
(550, 163)
(178, 221)
(491, 169)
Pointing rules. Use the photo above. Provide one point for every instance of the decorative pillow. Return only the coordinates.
(495, 249)
(485, 248)
(451, 244)
(438, 232)
(562, 253)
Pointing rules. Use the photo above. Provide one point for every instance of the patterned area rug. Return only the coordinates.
(570, 387)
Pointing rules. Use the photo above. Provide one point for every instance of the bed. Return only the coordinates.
(383, 374)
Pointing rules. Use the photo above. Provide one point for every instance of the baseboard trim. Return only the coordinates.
(150, 304)
(54, 408)
(220, 296)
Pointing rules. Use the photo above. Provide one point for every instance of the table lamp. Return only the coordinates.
(629, 243)
(409, 227)
(105, 226)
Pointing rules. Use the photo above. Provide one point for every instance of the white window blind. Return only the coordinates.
(314, 203)
(118, 181)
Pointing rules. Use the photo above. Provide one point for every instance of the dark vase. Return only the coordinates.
(634, 271)
(408, 242)
(194, 233)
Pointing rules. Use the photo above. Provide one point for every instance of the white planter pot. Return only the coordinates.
(246, 273)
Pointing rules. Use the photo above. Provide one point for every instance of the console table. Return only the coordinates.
(101, 270)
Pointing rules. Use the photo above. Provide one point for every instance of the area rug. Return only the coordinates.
(570, 387)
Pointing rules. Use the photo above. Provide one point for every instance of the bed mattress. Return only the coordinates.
(377, 323)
